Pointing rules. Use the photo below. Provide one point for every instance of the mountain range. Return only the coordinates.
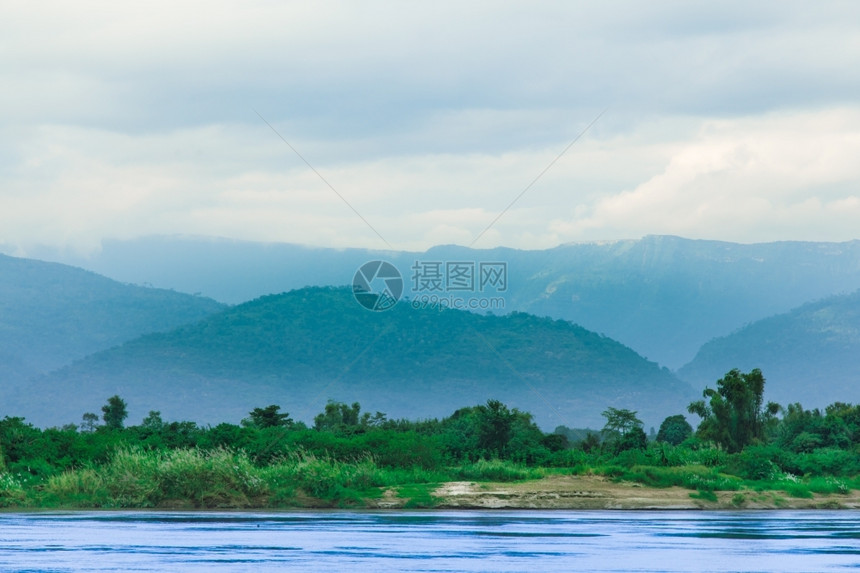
(702, 307)
(663, 296)
(301, 348)
(809, 355)
(53, 314)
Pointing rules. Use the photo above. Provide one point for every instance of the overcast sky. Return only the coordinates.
(737, 121)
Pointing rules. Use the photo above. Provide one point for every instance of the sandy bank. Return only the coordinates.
(595, 492)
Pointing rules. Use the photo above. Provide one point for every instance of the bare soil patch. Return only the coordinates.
(597, 492)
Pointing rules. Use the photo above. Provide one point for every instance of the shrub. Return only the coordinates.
(829, 461)
(753, 464)
(828, 485)
(495, 470)
(797, 490)
(11, 491)
(706, 495)
(690, 477)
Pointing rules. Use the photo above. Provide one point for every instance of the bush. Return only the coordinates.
(706, 495)
(495, 470)
(797, 490)
(11, 491)
(134, 478)
(753, 464)
(690, 477)
(828, 485)
(828, 461)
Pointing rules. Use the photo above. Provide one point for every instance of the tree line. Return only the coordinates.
(738, 431)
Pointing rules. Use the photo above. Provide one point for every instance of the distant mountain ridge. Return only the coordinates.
(53, 314)
(810, 354)
(663, 296)
(303, 347)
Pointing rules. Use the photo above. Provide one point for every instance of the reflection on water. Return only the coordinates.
(438, 541)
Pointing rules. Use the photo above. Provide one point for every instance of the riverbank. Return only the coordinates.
(554, 491)
(225, 479)
(191, 479)
(598, 492)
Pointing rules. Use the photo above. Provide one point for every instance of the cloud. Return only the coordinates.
(752, 179)
(730, 121)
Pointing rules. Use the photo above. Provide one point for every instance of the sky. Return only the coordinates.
(403, 125)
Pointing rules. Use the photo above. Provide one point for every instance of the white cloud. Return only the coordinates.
(734, 122)
(788, 175)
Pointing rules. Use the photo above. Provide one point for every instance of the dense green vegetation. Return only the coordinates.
(349, 456)
(311, 344)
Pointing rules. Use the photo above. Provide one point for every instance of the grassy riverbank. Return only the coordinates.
(221, 478)
(743, 454)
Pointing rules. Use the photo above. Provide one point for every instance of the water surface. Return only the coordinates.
(780, 541)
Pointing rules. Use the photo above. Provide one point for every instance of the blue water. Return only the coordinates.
(532, 541)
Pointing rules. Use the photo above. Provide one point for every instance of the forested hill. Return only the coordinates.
(301, 348)
(52, 314)
(811, 354)
(663, 296)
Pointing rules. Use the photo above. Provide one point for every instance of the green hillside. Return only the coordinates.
(662, 296)
(53, 314)
(301, 348)
(811, 354)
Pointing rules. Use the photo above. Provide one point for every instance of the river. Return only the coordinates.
(531, 541)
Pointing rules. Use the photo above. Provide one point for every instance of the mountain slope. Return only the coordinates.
(303, 347)
(666, 296)
(52, 314)
(811, 354)
(662, 296)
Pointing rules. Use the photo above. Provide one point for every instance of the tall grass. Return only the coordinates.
(11, 491)
(696, 477)
(134, 478)
(495, 470)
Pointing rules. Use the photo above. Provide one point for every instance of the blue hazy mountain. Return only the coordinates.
(662, 296)
(301, 348)
(53, 314)
(810, 354)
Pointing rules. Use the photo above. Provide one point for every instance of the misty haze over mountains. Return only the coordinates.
(697, 307)
(53, 314)
(301, 348)
(663, 296)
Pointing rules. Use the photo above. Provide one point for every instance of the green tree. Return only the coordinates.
(590, 443)
(555, 442)
(268, 417)
(89, 423)
(634, 439)
(620, 422)
(338, 417)
(734, 414)
(495, 426)
(115, 412)
(377, 420)
(674, 430)
(153, 421)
